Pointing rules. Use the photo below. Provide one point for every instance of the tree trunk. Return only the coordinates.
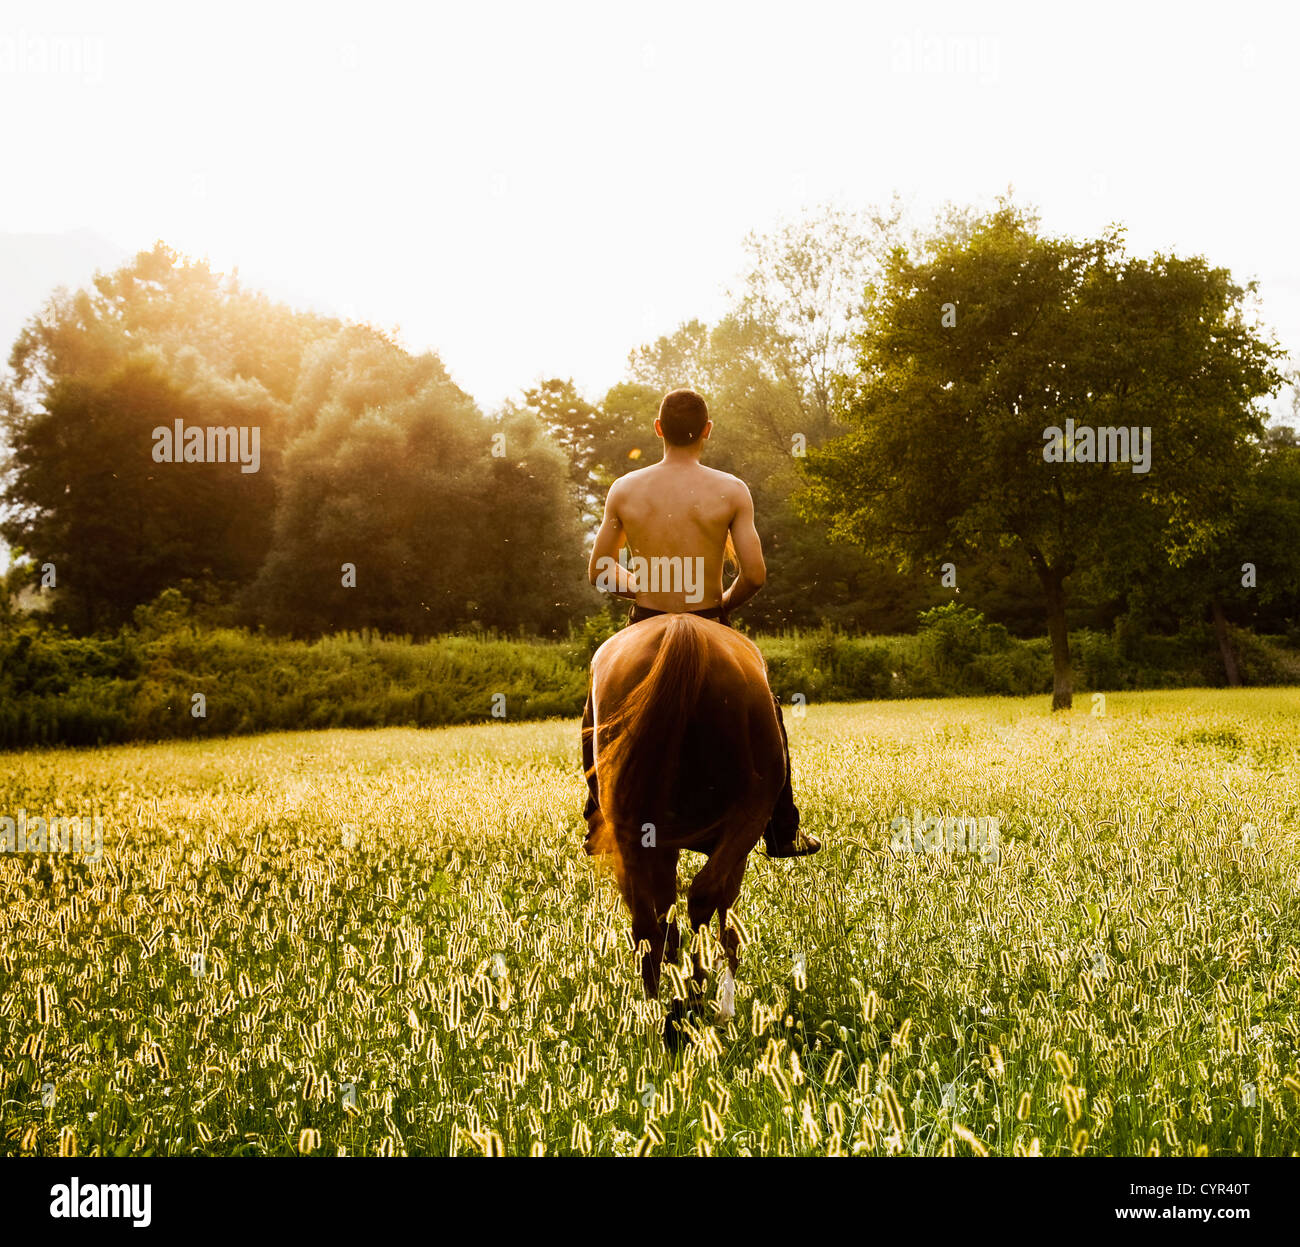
(1225, 644)
(1062, 677)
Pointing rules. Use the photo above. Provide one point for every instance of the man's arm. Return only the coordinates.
(749, 554)
(604, 570)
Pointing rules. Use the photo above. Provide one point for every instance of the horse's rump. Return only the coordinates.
(686, 732)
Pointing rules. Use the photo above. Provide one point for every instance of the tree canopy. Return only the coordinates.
(994, 373)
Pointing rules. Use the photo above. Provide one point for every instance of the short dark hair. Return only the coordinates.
(683, 415)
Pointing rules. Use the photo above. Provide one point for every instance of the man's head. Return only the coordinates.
(683, 419)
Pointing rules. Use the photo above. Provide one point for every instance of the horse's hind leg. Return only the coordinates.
(649, 889)
(663, 883)
(731, 946)
(648, 936)
(673, 942)
(714, 891)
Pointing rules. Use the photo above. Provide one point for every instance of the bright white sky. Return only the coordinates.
(531, 189)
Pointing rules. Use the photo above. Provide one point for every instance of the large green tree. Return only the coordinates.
(86, 495)
(94, 372)
(980, 345)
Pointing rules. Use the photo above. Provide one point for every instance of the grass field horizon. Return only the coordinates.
(389, 941)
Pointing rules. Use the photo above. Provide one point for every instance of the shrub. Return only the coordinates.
(951, 635)
(138, 684)
(1097, 660)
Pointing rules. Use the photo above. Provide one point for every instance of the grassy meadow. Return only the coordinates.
(389, 941)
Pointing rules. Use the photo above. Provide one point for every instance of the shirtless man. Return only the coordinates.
(676, 517)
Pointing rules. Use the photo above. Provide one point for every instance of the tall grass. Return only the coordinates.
(390, 942)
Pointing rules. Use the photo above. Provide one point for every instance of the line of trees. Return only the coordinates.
(384, 497)
(887, 394)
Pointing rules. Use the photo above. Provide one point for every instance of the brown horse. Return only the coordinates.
(688, 756)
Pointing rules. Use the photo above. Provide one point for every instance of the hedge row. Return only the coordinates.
(148, 682)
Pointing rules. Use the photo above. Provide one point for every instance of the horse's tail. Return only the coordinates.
(641, 745)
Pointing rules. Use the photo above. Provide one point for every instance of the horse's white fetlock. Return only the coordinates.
(727, 996)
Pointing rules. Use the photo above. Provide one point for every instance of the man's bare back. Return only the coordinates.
(675, 517)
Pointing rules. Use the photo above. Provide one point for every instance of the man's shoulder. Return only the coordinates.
(641, 480)
(728, 480)
(630, 482)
